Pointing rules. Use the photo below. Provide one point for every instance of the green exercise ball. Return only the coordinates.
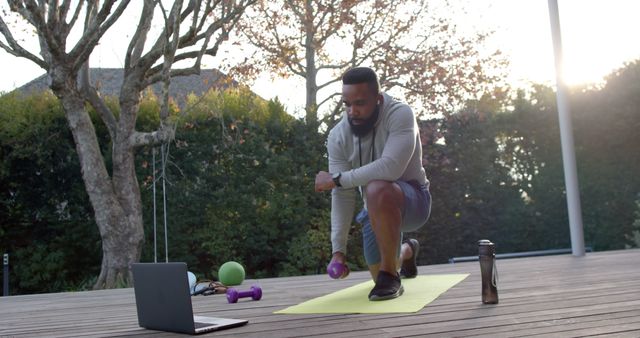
(231, 273)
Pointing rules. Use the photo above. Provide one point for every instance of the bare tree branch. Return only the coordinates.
(64, 9)
(20, 7)
(12, 47)
(92, 35)
(74, 18)
(35, 14)
(170, 47)
(189, 40)
(335, 66)
(88, 90)
(295, 8)
(229, 17)
(96, 101)
(138, 139)
(329, 82)
(136, 45)
(52, 14)
(329, 98)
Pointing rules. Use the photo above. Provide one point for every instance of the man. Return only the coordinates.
(376, 148)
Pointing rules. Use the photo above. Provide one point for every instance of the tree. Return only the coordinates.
(189, 31)
(529, 141)
(414, 51)
(474, 194)
(606, 137)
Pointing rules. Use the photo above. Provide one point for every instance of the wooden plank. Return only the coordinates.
(548, 295)
(515, 325)
(610, 327)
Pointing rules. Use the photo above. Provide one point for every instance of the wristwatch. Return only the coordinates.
(336, 179)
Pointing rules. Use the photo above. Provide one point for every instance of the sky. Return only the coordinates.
(598, 37)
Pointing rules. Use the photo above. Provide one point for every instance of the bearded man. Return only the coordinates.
(376, 149)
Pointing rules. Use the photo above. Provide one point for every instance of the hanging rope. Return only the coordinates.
(155, 221)
(164, 155)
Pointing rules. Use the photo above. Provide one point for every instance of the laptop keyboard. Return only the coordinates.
(199, 325)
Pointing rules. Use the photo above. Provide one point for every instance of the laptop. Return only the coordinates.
(163, 300)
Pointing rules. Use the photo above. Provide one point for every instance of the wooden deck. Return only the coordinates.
(565, 296)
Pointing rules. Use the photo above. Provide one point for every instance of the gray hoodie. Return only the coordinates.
(395, 154)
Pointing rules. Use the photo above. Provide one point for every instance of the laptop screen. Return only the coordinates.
(162, 296)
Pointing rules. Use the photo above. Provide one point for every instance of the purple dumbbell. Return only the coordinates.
(255, 293)
(337, 270)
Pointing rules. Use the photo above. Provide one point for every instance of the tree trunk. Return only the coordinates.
(310, 66)
(116, 203)
(312, 90)
(122, 242)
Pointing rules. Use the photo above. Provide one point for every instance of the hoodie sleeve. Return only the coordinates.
(396, 155)
(343, 200)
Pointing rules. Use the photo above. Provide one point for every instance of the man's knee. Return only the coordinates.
(383, 193)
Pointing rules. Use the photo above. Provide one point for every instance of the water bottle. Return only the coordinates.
(487, 255)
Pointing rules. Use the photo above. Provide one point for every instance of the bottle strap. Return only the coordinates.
(494, 274)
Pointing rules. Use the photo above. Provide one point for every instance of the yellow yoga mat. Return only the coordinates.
(418, 292)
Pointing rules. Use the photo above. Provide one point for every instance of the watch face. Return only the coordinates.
(336, 179)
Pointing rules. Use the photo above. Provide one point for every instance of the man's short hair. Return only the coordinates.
(362, 75)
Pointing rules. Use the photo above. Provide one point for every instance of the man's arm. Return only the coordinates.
(343, 200)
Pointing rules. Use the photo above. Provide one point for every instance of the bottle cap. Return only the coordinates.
(485, 247)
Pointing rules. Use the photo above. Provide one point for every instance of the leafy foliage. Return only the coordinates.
(46, 220)
(634, 236)
(607, 123)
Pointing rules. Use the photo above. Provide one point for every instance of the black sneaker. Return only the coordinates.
(387, 286)
(409, 267)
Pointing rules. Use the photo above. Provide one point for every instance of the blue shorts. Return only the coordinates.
(417, 208)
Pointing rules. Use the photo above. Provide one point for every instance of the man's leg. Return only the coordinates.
(385, 202)
(393, 207)
(405, 253)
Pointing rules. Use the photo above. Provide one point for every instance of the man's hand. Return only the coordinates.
(338, 257)
(338, 268)
(324, 181)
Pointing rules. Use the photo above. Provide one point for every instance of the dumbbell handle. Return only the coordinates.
(243, 294)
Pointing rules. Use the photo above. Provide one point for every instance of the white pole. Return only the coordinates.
(566, 138)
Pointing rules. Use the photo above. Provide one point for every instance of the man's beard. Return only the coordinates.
(364, 128)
